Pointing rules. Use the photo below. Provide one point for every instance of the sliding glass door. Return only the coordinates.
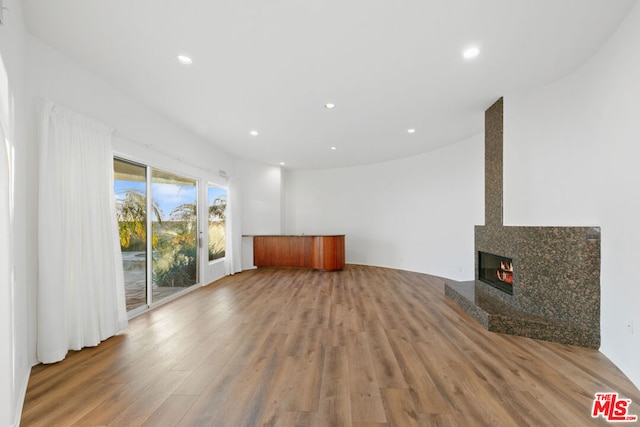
(175, 246)
(169, 216)
(130, 185)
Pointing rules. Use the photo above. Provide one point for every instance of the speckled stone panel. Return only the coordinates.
(556, 276)
(493, 166)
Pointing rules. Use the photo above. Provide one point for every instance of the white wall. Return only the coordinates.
(571, 158)
(14, 349)
(261, 203)
(160, 141)
(414, 214)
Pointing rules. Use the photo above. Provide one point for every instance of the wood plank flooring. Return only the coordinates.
(366, 346)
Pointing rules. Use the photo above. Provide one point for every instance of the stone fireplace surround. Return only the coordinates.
(556, 278)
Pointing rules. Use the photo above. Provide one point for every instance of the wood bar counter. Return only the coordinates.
(319, 252)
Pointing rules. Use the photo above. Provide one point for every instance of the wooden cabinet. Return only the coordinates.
(328, 252)
(282, 251)
(318, 252)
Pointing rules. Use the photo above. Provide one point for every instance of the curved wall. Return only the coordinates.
(414, 214)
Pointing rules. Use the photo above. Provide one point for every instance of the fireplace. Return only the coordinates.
(556, 272)
(496, 271)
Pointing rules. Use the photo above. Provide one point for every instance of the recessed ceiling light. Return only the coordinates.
(184, 59)
(334, 148)
(281, 163)
(411, 130)
(329, 105)
(253, 133)
(470, 52)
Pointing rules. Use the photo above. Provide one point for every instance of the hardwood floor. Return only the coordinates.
(366, 346)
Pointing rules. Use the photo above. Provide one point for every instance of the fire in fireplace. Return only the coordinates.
(496, 271)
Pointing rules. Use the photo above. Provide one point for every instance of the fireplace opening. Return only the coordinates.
(496, 271)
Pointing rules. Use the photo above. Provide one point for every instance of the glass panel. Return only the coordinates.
(175, 242)
(131, 204)
(217, 214)
(496, 271)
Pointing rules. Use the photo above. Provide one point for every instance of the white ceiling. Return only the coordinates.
(270, 66)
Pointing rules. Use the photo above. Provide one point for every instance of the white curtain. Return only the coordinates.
(81, 283)
(232, 256)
